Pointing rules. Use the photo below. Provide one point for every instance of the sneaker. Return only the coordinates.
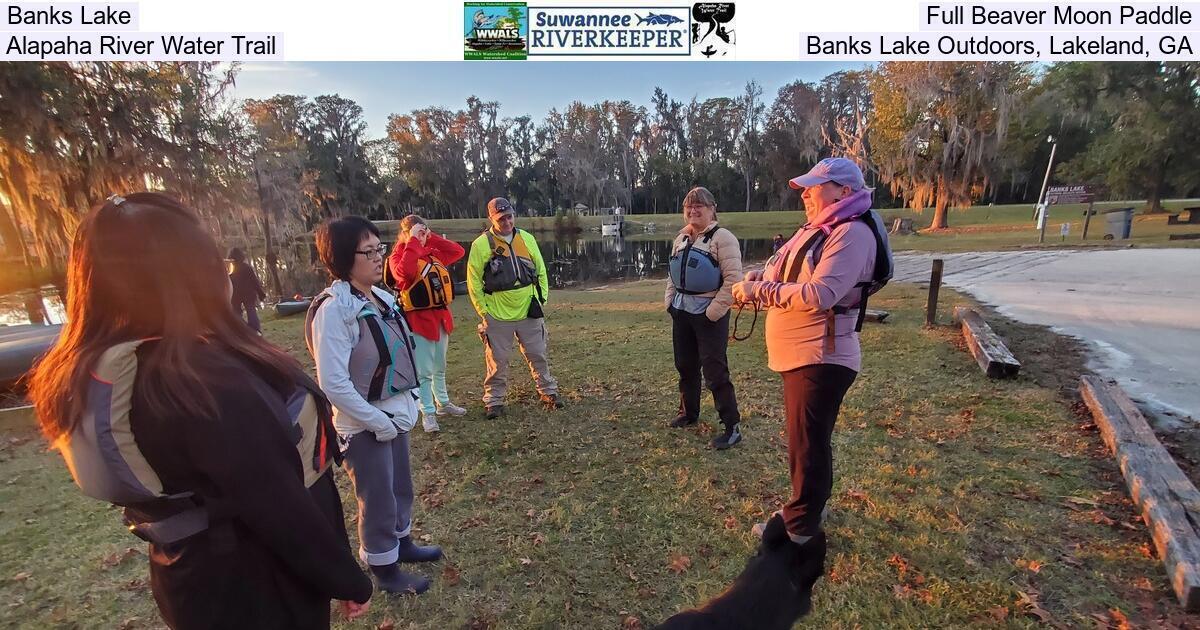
(551, 401)
(429, 422)
(494, 411)
(450, 409)
(729, 438)
(682, 420)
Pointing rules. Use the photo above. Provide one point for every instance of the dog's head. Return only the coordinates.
(786, 568)
(772, 592)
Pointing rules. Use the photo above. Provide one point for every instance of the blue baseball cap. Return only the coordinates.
(840, 170)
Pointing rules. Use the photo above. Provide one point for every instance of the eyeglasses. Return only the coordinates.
(373, 254)
(698, 206)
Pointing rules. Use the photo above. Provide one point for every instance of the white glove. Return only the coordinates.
(387, 433)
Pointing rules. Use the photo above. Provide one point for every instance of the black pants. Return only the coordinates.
(812, 396)
(700, 345)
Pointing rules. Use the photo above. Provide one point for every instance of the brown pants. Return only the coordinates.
(497, 348)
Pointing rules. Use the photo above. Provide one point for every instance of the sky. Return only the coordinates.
(534, 88)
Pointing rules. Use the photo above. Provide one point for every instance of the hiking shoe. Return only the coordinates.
(450, 409)
(682, 420)
(551, 401)
(729, 438)
(429, 423)
(494, 411)
(391, 579)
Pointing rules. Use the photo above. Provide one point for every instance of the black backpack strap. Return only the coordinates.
(796, 261)
(709, 234)
(375, 391)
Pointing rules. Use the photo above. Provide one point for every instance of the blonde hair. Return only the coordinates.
(700, 195)
(406, 226)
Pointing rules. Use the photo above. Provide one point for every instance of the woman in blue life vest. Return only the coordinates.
(236, 538)
(706, 261)
(363, 349)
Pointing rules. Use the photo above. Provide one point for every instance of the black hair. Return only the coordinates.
(337, 242)
(237, 255)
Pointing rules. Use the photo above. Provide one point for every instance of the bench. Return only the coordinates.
(1193, 217)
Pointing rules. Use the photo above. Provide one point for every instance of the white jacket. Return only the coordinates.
(335, 332)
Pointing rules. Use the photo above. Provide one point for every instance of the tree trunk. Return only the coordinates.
(266, 225)
(1157, 181)
(941, 209)
(9, 234)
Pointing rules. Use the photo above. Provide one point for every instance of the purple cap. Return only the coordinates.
(840, 170)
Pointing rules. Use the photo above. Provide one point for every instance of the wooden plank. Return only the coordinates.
(1168, 501)
(986, 346)
(876, 315)
(1184, 237)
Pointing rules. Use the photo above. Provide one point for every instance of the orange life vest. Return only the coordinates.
(432, 289)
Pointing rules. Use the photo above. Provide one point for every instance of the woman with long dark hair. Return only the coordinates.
(164, 402)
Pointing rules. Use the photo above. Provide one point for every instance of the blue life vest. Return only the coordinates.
(695, 271)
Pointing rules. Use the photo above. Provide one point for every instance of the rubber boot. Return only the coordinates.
(410, 552)
(391, 579)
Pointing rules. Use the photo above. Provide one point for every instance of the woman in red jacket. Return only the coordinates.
(419, 264)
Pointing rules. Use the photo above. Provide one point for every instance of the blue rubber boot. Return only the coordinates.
(410, 552)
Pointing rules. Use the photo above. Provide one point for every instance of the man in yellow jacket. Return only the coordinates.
(507, 280)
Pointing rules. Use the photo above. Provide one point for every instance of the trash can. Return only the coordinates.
(1118, 224)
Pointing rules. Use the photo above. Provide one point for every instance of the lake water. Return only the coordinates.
(570, 263)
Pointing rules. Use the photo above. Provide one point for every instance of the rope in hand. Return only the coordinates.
(741, 306)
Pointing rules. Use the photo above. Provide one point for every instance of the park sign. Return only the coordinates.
(1069, 194)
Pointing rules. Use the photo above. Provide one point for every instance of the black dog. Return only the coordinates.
(772, 592)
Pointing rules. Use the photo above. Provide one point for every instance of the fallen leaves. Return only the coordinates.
(679, 563)
(1027, 602)
(861, 497)
(450, 575)
(113, 559)
(731, 522)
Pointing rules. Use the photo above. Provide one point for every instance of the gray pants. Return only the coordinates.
(497, 348)
(383, 485)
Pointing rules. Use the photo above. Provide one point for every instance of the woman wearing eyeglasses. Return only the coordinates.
(364, 354)
(706, 261)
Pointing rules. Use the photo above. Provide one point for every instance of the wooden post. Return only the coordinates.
(1087, 218)
(935, 285)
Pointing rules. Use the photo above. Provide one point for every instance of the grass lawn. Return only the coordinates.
(958, 501)
(974, 229)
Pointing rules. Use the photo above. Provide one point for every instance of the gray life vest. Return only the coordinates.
(106, 464)
(381, 363)
(694, 271)
(511, 265)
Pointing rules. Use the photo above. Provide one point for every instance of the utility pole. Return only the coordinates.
(1041, 205)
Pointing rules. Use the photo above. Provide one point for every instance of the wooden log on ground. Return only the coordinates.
(876, 315)
(986, 346)
(1168, 501)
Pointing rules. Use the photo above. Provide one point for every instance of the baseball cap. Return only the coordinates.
(840, 170)
(499, 206)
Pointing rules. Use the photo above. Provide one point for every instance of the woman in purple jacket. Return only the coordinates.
(808, 289)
